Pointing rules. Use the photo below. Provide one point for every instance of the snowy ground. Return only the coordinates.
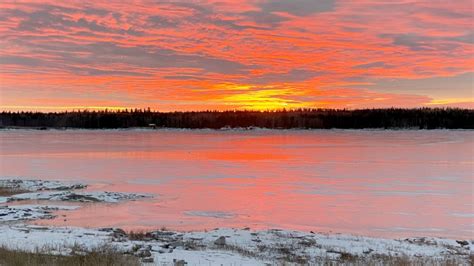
(234, 246)
(37, 185)
(58, 191)
(94, 196)
(216, 247)
(30, 212)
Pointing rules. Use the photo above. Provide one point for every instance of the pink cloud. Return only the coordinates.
(180, 54)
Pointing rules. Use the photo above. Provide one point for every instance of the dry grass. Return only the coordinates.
(390, 261)
(101, 257)
(239, 250)
(139, 236)
(289, 254)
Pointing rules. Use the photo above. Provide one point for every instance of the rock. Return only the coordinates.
(136, 247)
(143, 252)
(177, 243)
(462, 242)
(179, 262)
(162, 233)
(366, 252)
(119, 231)
(79, 198)
(148, 260)
(106, 229)
(220, 241)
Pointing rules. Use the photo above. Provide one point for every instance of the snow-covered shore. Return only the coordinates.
(57, 191)
(222, 246)
(236, 246)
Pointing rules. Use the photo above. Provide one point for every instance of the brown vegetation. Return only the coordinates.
(287, 255)
(101, 256)
(139, 236)
(9, 191)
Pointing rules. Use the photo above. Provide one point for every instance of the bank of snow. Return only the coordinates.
(50, 191)
(60, 191)
(38, 185)
(30, 212)
(236, 246)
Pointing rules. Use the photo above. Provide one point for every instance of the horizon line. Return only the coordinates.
(150, 110)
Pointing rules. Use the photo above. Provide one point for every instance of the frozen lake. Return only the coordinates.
(377, 183)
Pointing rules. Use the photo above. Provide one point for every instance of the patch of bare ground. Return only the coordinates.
(139, 235)
(10, 191)
(97, 257)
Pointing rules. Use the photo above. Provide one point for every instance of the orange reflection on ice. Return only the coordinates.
(382, 183)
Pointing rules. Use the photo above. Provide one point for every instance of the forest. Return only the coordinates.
(391, 118)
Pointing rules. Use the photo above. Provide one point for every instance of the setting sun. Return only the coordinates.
(235, 55)
(236, 132)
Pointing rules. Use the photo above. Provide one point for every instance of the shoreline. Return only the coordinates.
(232, 129)
(238, 246)
(219, 246)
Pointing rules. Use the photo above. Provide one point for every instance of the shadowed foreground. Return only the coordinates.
(106, 256)
(100, 256)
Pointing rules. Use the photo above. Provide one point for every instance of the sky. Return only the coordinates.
(226, 55)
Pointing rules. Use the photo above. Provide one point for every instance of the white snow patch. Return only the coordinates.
(52, 191)
(37, 185)
(82, 196)
(30, 212)
(31, 237)
(213, 214)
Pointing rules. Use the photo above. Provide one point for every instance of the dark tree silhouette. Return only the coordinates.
(420, 118)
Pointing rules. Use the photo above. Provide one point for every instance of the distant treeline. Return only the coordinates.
(422, 118)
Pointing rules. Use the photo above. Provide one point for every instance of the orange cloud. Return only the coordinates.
(233, 55)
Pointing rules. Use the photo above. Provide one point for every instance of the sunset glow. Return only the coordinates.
(225, 55)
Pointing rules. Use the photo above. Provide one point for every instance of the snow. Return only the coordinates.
(89, 196)
(235, 246)
(213, 214)
(37, 185)
(243, 246)
(30, 212)
(62, 191)
(52, 191)
(319, 244)
(31, 237)
(208, 257)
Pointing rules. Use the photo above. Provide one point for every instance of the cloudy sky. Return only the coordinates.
(226, 54)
